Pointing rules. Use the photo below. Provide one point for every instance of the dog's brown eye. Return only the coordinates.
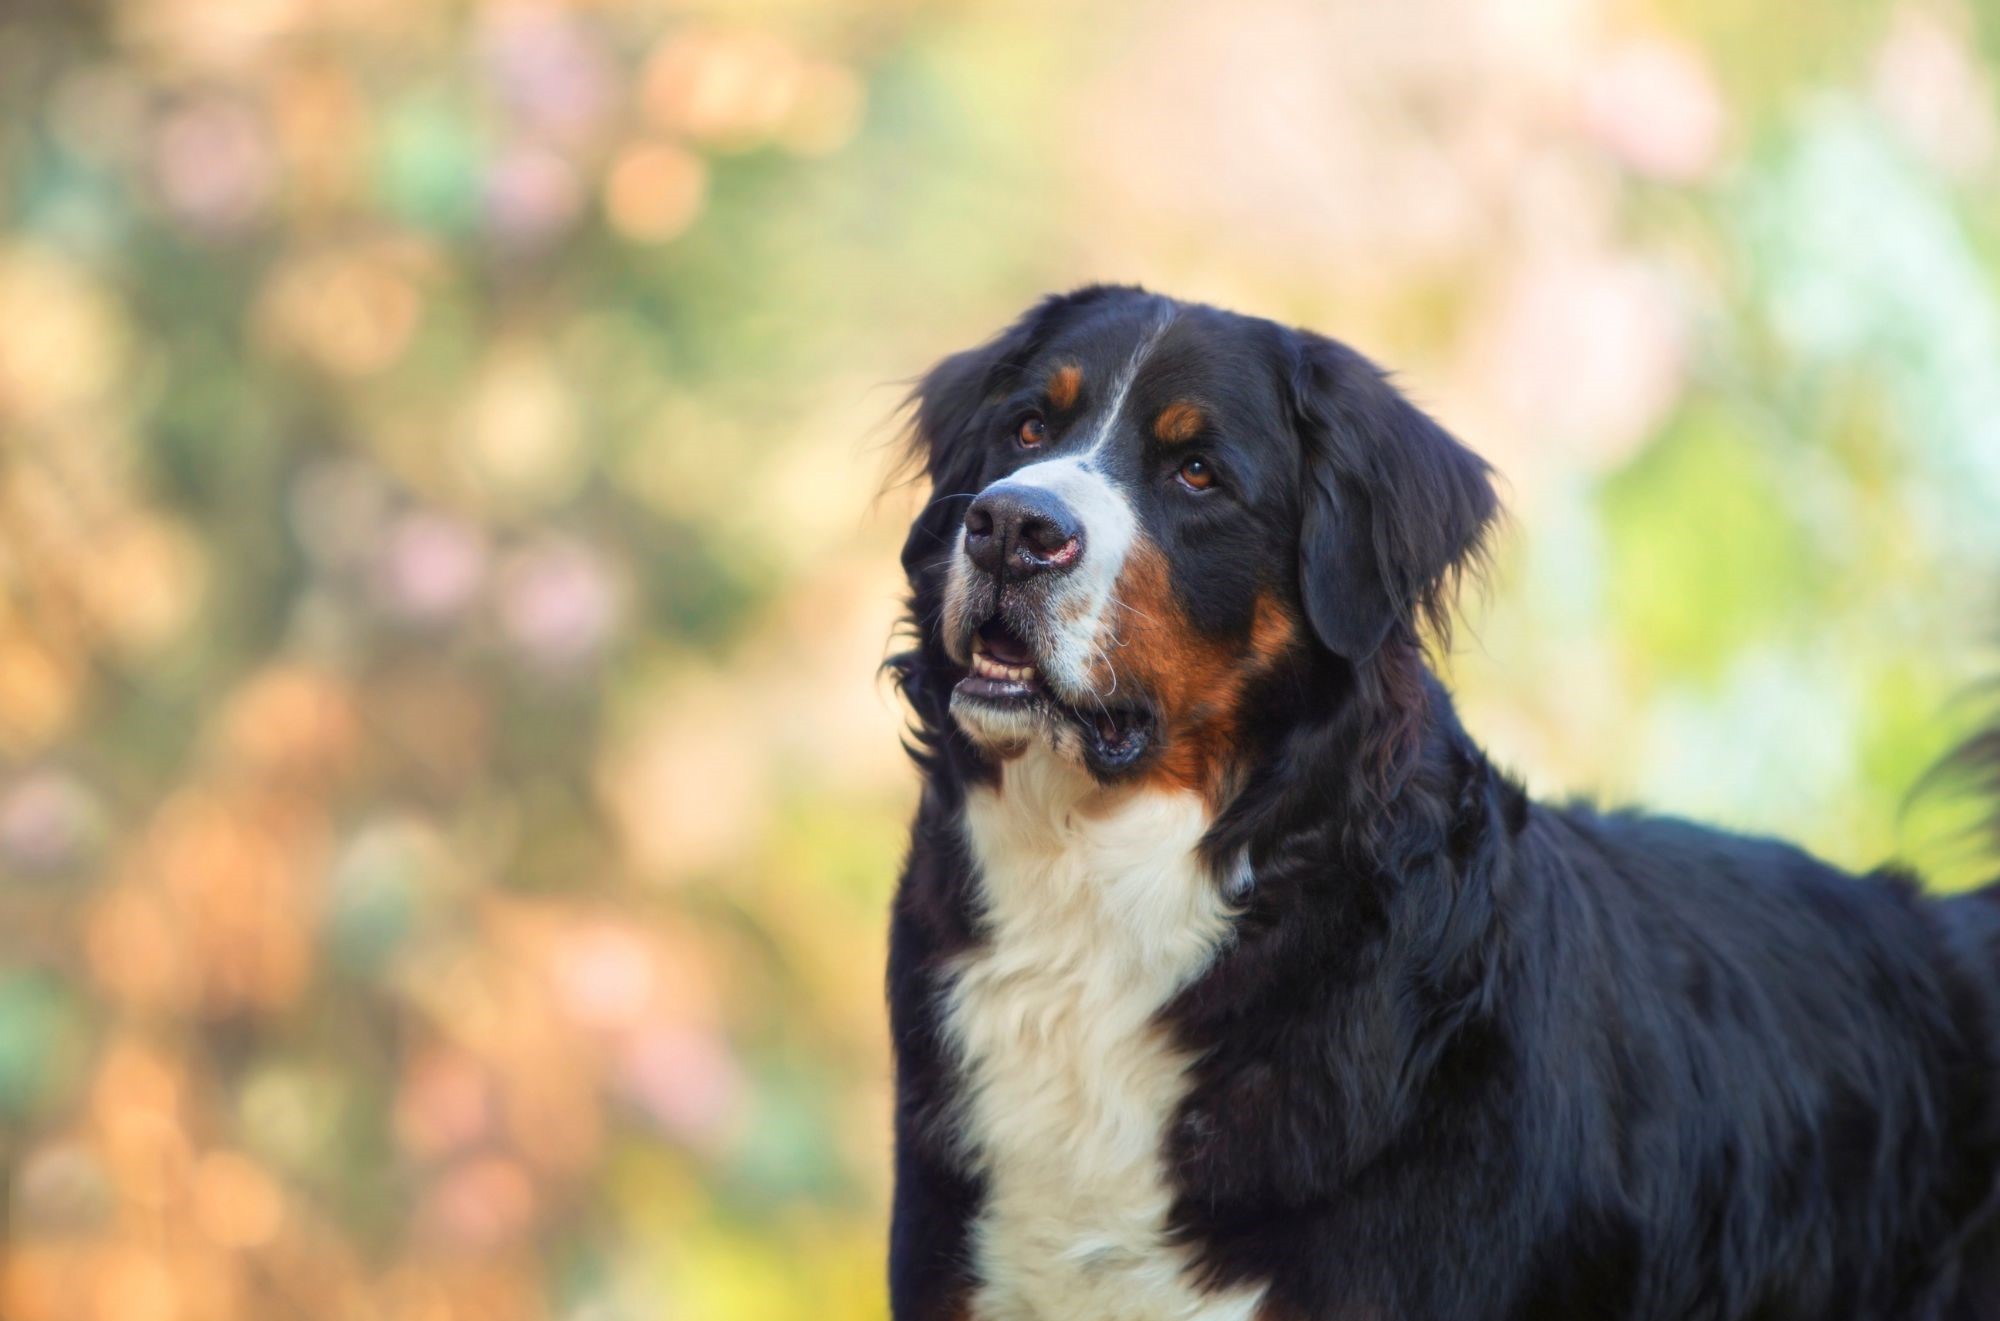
(1196, 475)
(1033, 432)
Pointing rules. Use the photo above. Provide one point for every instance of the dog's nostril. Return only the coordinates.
(1045, 539)
(983, 544)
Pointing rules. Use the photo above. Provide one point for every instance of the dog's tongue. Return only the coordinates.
(1002, 645)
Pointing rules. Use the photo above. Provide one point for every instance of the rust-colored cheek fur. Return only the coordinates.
(1196, 682)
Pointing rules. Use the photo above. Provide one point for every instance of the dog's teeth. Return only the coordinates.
(986, 667)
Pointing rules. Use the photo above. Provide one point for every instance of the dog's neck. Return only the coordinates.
(1054, 845)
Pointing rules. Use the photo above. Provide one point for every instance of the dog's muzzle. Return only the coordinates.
(1029, 614)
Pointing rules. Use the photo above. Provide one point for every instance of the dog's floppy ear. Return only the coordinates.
(947, 404)
(1393, 504)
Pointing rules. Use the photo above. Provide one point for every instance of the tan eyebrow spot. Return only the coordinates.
(1179, 422)
(1064, 384)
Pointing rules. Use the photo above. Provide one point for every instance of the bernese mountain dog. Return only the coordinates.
(1228, 978)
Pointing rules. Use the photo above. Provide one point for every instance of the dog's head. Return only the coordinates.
(1140, 509)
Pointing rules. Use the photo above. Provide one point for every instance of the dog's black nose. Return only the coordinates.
(1015, 532)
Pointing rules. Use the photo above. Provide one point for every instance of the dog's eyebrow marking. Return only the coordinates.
(1179, 422)
(1123, 386)
(1064, 383)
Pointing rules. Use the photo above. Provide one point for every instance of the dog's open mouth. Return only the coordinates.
(1003, 665)
(1003, 672)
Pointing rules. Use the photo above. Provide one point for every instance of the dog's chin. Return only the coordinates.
(1006, 705)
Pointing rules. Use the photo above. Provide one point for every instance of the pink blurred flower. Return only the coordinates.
(484, 1202)
(46, 822)
(550, 69)
(431, 566)
(532, 196)
(1587, 354)
(558, 604)
(445, 1104)
(214, 166)
(62, 1185)
(685, 1079)
(604, 975)
(1654, 105)
(1928, 80)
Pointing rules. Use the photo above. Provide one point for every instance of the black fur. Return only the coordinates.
(1393, 504)
(1470, 1056)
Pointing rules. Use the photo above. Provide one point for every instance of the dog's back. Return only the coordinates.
(1780, 1081)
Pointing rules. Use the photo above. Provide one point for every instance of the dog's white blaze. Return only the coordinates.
(1078, 605)
(1097, 912)
(1123, 385)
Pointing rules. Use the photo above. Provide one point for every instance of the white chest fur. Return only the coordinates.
(1097, 912)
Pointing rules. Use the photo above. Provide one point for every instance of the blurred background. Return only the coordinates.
(447, 804)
